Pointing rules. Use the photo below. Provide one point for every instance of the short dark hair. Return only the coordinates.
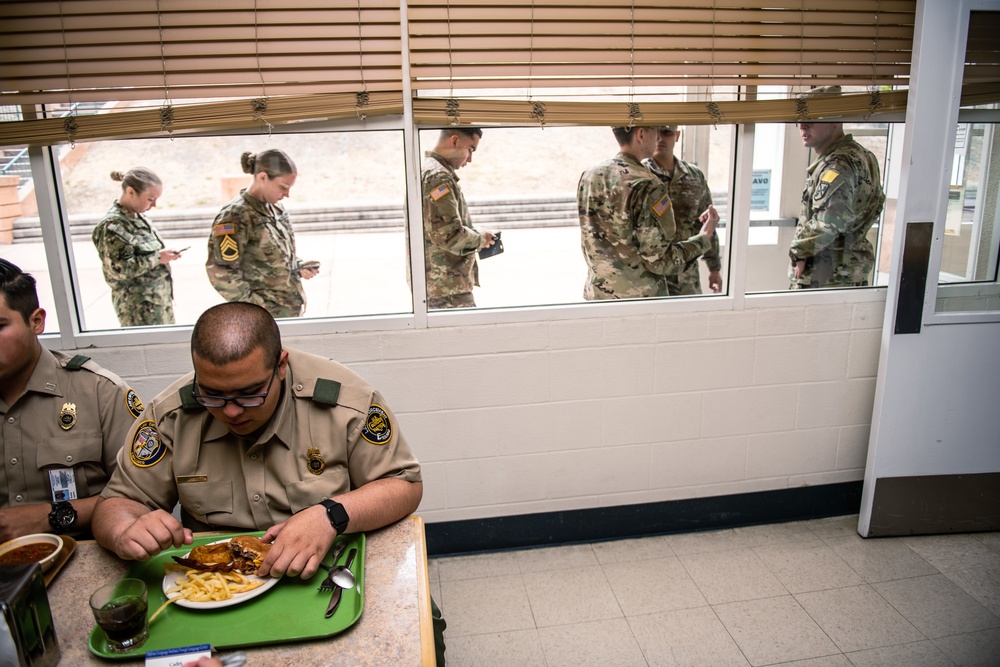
(624, 135)
(231, 331)
(18, 288)
(464, 131)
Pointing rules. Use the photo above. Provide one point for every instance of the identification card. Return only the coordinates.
(63, 483)
(175, 657)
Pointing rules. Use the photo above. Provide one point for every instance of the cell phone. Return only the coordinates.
(312, 266)
(183, 250)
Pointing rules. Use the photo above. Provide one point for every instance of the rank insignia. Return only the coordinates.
(67, 416)
(829, 176)
(439, 191)
(146, 449)
(662, 206)
(229, 250)
(314, 461)
(377, 429)
(134, 403)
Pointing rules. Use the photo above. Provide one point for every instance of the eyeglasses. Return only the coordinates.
(246, 401)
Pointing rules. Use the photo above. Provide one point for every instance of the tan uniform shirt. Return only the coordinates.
(33, 438)
(331, 432)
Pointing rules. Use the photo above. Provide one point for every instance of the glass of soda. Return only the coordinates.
(120, 611)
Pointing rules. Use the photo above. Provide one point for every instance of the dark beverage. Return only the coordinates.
(120, 611)
(123, 618)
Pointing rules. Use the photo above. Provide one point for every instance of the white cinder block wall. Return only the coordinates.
(520, 418)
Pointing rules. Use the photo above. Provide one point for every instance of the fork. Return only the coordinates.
(327, 584)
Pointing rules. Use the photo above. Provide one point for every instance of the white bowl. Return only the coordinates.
(25, 540)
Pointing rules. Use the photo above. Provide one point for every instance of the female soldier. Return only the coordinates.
(251, 251)
(133, 255)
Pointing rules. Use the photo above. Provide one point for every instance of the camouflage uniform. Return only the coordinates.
(688, 189)
(450, 240)
(841, 201)
(627, 230)
(251, 257)
(141, 287)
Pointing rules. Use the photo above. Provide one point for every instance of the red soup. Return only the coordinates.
(29, 553)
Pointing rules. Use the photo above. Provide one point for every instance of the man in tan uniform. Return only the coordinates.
(64, 418)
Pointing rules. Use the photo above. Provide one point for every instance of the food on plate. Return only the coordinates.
(243, 553)
(202, 586)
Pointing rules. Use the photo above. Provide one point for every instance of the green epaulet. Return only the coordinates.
(187, 397)
(77, 362)
(326, 391)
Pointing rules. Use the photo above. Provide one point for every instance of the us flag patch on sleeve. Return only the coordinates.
(439, 191)
(662, 206)
(223, 228)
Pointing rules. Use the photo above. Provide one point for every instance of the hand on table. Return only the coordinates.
(150, 534)
(298, 545)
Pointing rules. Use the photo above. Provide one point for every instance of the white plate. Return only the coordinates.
(238, 598)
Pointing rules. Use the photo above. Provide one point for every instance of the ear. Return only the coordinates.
(282, 364)
(36, 321)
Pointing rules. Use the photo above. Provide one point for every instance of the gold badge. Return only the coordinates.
(314, 461)
(67, 416)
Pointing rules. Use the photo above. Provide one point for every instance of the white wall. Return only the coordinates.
(541, 416)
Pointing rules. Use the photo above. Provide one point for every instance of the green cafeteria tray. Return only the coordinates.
(291, 611)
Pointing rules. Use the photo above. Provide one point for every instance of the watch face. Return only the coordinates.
(62, 517)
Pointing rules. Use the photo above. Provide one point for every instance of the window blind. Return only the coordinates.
(119, 50)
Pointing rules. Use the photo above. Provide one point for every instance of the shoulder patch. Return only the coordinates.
(440, 191)
(326, 391)
(829, 176)
(146, 449)
(134, 403)
(229, 249)
(377, 429)
(662, 206)
(223, 228)
(77, 362)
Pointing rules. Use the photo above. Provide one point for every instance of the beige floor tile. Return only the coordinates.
(519, 648)
(732, 576)
(880, 559)
(622, 551)
(712, 540)
(477, 566)
(792, 532)
(555, 558)
(686, 638)
(937, 606)
(858, 618)
(807, 567)
(480, 606)
(838, 660)
(774, 630)
(576, 595)
(992, 540)
(834, 526)
(594, 644)
(435, 587)
(953, 552)
(432, 570)
(916, 654)
(650, 586)
(982, 583)
(973, 649)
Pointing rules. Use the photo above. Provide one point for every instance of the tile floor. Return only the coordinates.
(810, 593)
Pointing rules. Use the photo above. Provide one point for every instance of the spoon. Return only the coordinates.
(342, 575)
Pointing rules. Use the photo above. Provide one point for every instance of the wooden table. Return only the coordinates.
(394, 628)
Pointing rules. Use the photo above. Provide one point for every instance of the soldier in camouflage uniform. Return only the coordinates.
(251, 250)
(133, 255)
(627, 224)
(692, 201)
(841, 201)
(450, 240)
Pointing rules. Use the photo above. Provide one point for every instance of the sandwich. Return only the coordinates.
(243, 553)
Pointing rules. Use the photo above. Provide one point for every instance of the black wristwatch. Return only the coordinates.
(62, 518)
(337, 515)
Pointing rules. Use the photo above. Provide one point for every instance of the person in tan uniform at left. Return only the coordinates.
(64, 418)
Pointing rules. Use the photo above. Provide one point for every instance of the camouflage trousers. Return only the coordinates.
(685, 284)
(145, 313)
(463, 300)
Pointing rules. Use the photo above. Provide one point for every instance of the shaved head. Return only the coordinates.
(231, 331)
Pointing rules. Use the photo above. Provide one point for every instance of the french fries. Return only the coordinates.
(199, 586)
